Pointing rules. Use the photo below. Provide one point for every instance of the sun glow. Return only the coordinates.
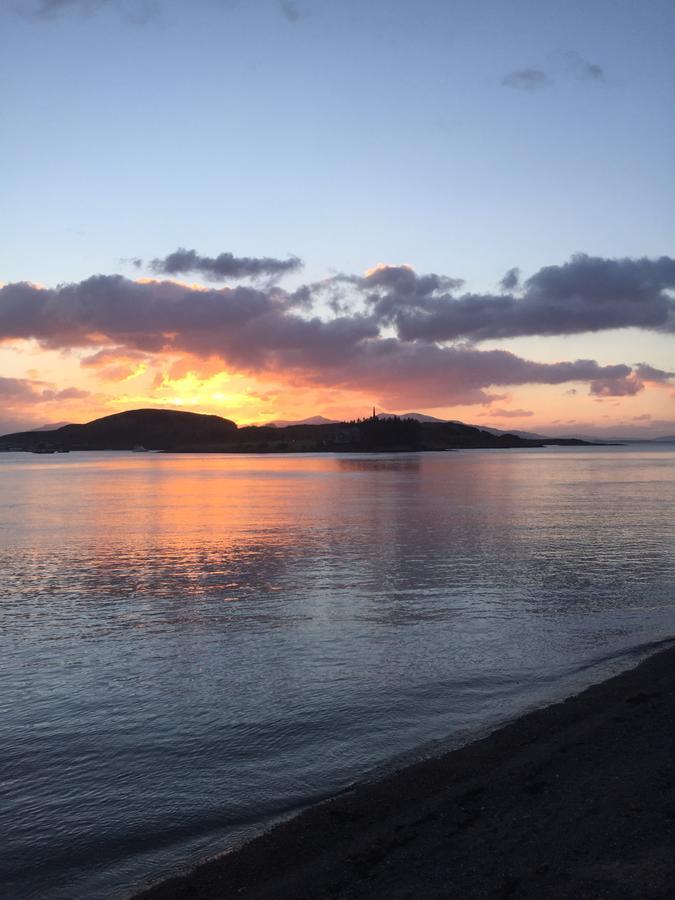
(229, 394)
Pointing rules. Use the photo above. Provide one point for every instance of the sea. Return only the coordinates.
(193, 647)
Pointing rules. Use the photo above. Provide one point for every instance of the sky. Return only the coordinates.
(272, 209)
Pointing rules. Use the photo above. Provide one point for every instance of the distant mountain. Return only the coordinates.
(322, 420)
(422, 417)
(51, 427)
(312, 420)
(418, 417)
(609, 438)
(528, 435)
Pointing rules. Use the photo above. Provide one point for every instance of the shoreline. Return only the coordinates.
(573, 800)
(323, 451)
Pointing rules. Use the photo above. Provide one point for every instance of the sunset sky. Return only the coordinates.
(272, 210)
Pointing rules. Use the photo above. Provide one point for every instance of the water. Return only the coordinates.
(192, 646)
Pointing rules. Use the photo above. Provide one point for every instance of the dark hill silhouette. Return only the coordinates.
(171, 430)
(154, 429)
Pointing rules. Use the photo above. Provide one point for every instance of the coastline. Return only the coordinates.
(573, 800)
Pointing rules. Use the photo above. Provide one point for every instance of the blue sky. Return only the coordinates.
(462, 138)
(356, 133)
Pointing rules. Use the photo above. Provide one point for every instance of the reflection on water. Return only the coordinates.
(193, 645)
(404, 462)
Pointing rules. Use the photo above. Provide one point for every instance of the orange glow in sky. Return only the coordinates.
(65, 389)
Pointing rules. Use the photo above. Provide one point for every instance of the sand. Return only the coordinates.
(576, 800)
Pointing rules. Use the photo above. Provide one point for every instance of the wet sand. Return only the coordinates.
(573, 801)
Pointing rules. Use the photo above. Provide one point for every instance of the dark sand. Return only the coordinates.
(576, 800)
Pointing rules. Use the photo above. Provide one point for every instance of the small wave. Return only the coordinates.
(633, 651)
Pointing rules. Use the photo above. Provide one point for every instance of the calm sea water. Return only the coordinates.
(192, 646)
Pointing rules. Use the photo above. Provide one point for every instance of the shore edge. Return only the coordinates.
(576, 799)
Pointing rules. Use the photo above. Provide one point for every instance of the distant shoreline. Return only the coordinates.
(574, 800)
(313, 450)
(304, 451)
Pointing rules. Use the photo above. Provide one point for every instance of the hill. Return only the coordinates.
(312, 420)
(154, 429)
(530, 435)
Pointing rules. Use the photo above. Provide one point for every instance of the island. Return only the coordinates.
(176, 431)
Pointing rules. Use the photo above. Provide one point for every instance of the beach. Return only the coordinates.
(573, 800)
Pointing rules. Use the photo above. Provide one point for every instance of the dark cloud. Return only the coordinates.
(585, 294)
(510, 281)
(248, 325)
(415, 372)
(527, 80)
(621, 386)
(649, 373)
(391, 290)
(225, 266)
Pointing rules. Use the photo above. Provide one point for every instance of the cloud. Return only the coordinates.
(415, 372)
(509, 413)
(17, 389)
(655, 376)
(510, 281)
(582, 69)
(135, 12)
(621, 386)
(593, 72)
(45, 9)
(71, 393)
(290, 11)
(117, 363)
(573, 65)
(250, 326)
(527, 80)
(585, 294)
(223, 267)
(393, 346)
(134, 261)
(17, 394)
(109, 355)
